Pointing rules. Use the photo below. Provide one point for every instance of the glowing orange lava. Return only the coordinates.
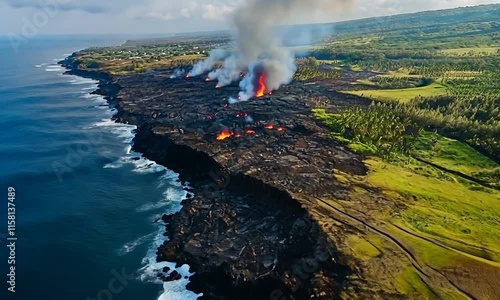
(250, 131)
(217, 86)
(187, 76)
(261, 89)
(207, 79)
(269, 126)
(281, 129)
(224, 135)
(238, 135)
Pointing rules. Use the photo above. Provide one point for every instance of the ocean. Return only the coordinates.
(87, 207)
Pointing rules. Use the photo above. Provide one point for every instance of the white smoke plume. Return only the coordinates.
(258, 51)
(207, 64)
(229, 73)
(178, 73)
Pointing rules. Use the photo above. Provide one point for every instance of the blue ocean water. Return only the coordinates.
(85, 209)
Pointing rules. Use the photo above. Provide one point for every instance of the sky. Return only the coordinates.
(46, 17)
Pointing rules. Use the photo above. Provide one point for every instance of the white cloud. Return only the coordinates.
(156, 16)
(185, 12)
(216, 13)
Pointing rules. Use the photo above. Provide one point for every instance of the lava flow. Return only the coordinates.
(269, 126)
(224, 135)
(250, 131)
(261, 88)
(218, 86)
(207, 79)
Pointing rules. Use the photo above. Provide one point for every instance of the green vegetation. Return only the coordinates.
(472, 51)
(438, 71)
(444, 65)
(449, 211)
(378, 129)
(363, 246)
(134, 57)
(311, 68)
(456, 156)
(410, 283)
(403, 95)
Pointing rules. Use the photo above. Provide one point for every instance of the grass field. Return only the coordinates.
(453, 155)
(402, 95)
(446, 209)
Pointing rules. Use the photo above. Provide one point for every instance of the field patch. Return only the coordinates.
(473, 51)
(402, 95)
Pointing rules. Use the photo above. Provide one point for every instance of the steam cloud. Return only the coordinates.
(178, 73)
(207, 64)
(257, 49)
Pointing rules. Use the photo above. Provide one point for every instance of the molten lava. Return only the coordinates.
(281, 129)
(269, 126)
(207, 79)
(250, 131)
(218, 86)
(224, 135)
(261, 87)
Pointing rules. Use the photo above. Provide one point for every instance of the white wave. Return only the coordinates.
(147, 166)
(93, 87)
(41, 65)
(91, 96)
(124, 131)
(130, 246)
(175, 194)
(152, 206)
(80, 80)
(55, 68)
(172, 197)
(156, 218)
(176, 290)
(128, 150)
(117, 164)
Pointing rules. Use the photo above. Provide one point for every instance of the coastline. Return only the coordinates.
(209, 179)
(280, 210)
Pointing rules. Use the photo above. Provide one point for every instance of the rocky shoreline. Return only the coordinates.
(257, 227)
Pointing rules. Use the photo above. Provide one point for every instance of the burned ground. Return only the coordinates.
(269, 217)
(248, 233)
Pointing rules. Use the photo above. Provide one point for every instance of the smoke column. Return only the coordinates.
(207, 64)
(257, 50)
(178, 73)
